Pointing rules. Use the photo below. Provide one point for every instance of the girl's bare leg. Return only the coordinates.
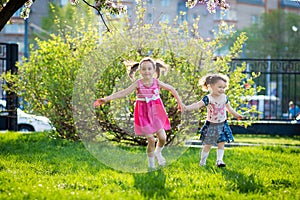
(220, 154)
(161, 135)
(204, 154)
(150, 150)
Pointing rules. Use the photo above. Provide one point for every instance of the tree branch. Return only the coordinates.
(8, 11)
(101, 15)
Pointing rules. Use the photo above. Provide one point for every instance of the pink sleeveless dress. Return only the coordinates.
(149, 112)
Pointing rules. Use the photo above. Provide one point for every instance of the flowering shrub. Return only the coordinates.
(26, 10)
(211, 4)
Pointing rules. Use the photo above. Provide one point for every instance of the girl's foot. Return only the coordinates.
(150, 169)
(202, 163)
(160, 159)
(151, 163)
(220, 163)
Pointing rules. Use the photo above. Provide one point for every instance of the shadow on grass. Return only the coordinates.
(151, 184)
(243, 183)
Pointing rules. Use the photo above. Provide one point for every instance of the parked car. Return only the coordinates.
(26, 122)
(269, 106)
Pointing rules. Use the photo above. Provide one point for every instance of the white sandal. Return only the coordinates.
(220, 163)
(160, 159)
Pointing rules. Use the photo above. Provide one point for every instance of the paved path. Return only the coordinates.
(197, 144)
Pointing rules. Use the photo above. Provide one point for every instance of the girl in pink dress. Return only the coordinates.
(150, 116)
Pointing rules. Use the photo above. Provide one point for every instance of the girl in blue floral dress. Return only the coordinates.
(216, 129)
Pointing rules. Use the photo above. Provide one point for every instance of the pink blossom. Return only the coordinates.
(191, 3)
(73, 2)
(211, 6)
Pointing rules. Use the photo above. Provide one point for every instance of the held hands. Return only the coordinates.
(181, 107)
(100, 101)
(239, 117)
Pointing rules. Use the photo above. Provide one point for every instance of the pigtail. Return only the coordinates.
(132, 67)
(204, 81)
(160, 66)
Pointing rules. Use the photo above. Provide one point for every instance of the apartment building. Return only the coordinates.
(15, 32)
(242, 13)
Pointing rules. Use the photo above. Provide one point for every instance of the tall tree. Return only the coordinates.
(277, 34)
(9, 7)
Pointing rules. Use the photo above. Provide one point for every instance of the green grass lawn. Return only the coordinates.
(268, 140)
(35, 166)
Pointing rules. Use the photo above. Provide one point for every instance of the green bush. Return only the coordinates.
(46, 80)
(66, 73)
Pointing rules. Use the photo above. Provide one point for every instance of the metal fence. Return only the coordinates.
(281, 80)
(8, 59)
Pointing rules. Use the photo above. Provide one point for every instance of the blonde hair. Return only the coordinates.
(133, 67)
(212, 79)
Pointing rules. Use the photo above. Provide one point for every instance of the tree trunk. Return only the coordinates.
(7, 12)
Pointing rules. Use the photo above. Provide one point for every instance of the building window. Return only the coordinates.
(195, 16)
(164, 2)
(290, 3)
(259, 2)
(149, 18)
(180, 10)
(165, 18)
(254, 19)
(64, 2)
(129, 11)
(2, 52)
(14, 29)
(229, 15)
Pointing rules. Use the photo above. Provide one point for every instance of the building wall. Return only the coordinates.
(14, 33)
(247, 14)
(242, 13)
(38, 11)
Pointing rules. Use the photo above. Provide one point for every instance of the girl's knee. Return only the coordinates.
(207, 148)
(151, 141)
(221, 145)
(161, 134)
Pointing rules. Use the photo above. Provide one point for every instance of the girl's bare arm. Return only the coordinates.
(174, 93)
(117, 95)
(171, 89)
(195, 106)
(233, 112)
(122, 93)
